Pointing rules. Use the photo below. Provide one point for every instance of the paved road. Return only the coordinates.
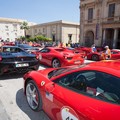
(3, 113)
(13, 105)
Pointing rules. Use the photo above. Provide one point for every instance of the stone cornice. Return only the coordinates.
(113, 1)
(111, 25)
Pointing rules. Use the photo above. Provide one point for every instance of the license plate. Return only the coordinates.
(22, 65)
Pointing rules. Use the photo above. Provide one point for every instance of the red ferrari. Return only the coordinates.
(57, 57)
(74, 50)
(83, 92)
(85, 49)
(88, 50)
(96, 56)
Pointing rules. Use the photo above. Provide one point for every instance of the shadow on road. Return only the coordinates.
(23, 105)
(11, 76)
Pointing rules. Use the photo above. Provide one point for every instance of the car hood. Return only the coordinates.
(46, 71)
(20, 54)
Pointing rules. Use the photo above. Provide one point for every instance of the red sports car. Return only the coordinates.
(57, 57)
(88, 50)
(85, 49)
(36, 45)
(74, 50)
(96, 56)
(83, 92)
(9, 44)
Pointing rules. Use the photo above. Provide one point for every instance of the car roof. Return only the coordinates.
(10, 46)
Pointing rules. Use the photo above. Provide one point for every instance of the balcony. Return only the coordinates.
(115, 19)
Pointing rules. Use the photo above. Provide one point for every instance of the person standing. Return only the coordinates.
(107, 53)
(93, 48)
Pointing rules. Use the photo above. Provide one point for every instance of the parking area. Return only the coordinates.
(13, 104)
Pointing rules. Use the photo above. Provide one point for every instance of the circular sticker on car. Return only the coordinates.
(68, 113)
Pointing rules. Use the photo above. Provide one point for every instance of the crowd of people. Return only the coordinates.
(106, 54)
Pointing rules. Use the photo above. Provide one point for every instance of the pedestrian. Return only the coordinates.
(107, 53)
(93, 48)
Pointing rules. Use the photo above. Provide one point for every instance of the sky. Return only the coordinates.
(41, 11)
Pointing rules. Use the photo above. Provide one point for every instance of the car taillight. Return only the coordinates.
(0, 58)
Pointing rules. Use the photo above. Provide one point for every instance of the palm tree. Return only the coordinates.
(24, 26)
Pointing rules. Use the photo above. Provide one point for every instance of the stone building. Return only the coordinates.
(100, 22)
(58, 31)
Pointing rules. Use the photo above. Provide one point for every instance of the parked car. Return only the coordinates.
(88, 50)
(74, 50)
(36, 45)
(9, 43)
(96, 56)
(14, 59)
(58, 57)
(28, 48)
(84, 92)
(85, 49)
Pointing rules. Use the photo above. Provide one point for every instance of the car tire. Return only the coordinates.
(95, 57)
(33, 96)
(56, 63)
(1, 72)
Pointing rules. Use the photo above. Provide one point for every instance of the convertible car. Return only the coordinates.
(96, 56)
(83, 92)
(14, 59)
(57, 57)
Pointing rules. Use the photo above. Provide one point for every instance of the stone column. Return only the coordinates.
(104, 35)
(115, 38)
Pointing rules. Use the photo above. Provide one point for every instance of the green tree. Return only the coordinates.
(24, 26)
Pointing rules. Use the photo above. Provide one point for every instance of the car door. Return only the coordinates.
(66, 96)
(115, 55)
(69, 100)
(45, 56)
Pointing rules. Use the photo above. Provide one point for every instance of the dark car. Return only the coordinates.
(14, 59)
(28, 48)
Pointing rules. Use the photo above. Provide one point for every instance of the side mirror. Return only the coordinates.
(50, 87)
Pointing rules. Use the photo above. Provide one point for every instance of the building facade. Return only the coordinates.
(58, 31)
(10, 29)
(100, 22)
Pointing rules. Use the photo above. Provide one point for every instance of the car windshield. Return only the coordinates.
(60, 71)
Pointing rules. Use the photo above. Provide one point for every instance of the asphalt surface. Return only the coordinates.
(3, 113)
(13, 104)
